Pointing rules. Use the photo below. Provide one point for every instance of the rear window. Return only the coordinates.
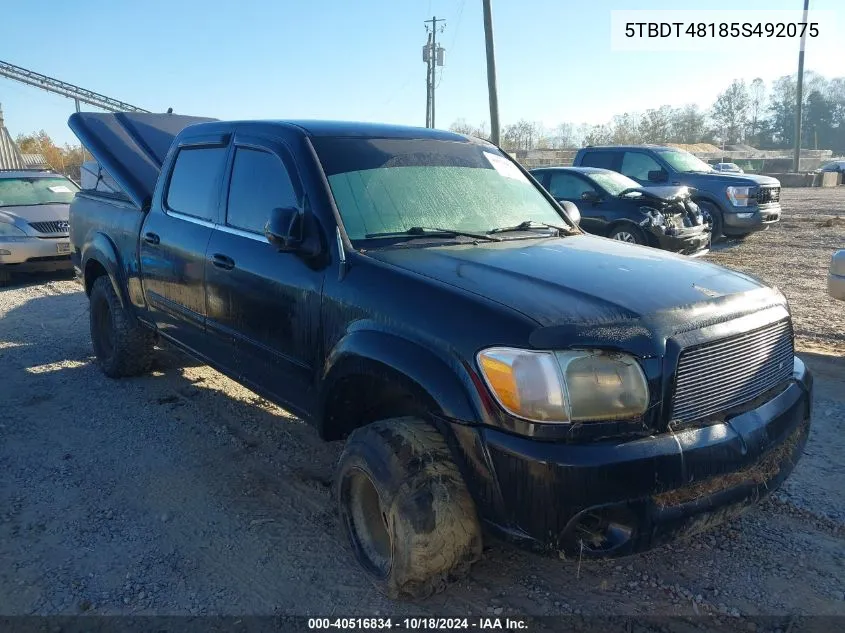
(25, 191)
(605, 160)
(195, 183)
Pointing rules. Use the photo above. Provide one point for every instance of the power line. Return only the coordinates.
(433, 57)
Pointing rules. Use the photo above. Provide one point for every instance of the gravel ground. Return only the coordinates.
(183, 493)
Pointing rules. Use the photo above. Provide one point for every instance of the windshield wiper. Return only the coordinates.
(527, 225)
(434, 231)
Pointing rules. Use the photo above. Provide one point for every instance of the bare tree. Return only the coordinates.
(730, 112)
(564, 136)
(688, 124)
(655, 125)
(462, 127)
(756, 105)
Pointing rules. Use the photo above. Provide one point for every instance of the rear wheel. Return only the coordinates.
(630, 234)
(122, 345)
(405, 508)
(5, 278)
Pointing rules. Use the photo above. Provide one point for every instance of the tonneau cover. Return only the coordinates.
(131, 146)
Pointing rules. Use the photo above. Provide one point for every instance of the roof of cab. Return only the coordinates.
(317, 128)
(580, 170)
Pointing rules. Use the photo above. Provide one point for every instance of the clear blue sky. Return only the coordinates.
(345, 59)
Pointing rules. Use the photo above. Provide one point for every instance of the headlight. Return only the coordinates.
(571, 386)
(10, 230)
(740, 196)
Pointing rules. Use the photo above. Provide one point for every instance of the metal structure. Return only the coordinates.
(433, 56)
(79, 95)
(492, 91)
(796, 156)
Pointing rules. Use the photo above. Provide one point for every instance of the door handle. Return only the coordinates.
(152, 238)
(223, 261)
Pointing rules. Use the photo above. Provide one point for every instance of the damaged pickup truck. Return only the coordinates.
(617, 207)
(412, 291)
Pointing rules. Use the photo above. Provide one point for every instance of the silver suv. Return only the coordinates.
(34, 222)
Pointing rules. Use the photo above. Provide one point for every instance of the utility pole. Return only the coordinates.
(491, 73)
(433, 56)
(796, 157)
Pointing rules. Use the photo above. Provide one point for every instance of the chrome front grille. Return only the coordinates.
(50, 228)
(768, 195)
(724, 374)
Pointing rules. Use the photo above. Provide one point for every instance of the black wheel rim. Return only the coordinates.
(366, 523)
(102, 330)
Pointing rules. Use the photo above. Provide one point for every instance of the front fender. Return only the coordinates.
(99, 249)
(707, 196)
(445, 385)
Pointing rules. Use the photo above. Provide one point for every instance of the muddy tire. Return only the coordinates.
(405, 508)
(123, 346)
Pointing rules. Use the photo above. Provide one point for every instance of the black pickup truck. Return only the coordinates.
(492, 368)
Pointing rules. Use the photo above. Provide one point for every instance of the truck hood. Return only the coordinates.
(131, 146)
(667, 193)
(583, 285)
(739, 180)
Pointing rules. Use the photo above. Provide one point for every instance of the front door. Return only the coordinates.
(174, 238)
(564, 185)
(266, 302)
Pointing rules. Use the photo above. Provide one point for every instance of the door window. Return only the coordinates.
(260, 183)
(603, 159)
(636, 165)
(195, 182)
(568, 186)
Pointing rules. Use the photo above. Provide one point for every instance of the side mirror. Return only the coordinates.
(572, 211)
(658, 175)
(284, 229)
(590, 196)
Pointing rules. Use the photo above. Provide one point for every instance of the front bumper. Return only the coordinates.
(35, 254)
(761, 218)
(689, 241)
(616, 498)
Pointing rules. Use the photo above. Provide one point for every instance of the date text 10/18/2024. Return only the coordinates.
(419, 624)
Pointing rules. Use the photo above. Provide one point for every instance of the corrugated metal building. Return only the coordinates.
(35, 161)
(10, 155)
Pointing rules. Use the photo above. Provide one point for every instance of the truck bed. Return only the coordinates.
(95, 215)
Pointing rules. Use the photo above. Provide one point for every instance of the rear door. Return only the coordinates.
(605, 159)
(174, 238)
(265, 302)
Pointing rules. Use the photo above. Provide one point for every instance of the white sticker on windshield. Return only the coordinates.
(504, 167)
(59, 189)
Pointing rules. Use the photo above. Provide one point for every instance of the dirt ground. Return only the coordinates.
(183, 493)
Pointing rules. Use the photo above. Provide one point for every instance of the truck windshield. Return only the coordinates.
(683, 161)
(388, 186)
(25, 191)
